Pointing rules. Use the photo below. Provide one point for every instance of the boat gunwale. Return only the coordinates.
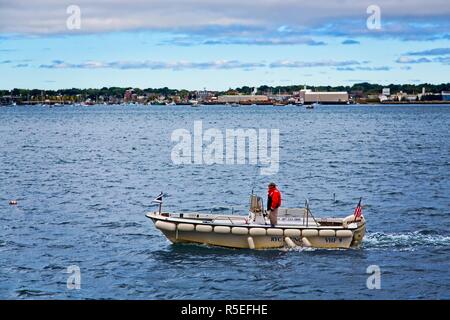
(156, 216)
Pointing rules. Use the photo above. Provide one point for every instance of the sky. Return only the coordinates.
(216, 44)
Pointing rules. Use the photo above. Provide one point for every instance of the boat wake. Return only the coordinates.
(405, 241)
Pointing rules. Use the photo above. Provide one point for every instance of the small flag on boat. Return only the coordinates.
(159, 198)
(358, 209)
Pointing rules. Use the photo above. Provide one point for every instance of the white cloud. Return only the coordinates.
(217, 64)
(303, 64)
(191, 16)
(430, 52)
(154, 65)
(406, 59)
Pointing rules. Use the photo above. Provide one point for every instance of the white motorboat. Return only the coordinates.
(296, 227)
(194, 103)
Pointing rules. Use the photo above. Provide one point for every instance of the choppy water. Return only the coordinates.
(84, 178)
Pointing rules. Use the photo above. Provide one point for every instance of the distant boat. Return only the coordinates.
(171, 103)
(193, 103)
(235, 105)
(315, 104)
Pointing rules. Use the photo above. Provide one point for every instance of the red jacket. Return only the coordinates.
(273, 198)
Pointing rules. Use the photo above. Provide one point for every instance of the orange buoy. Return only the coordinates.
(12, 202)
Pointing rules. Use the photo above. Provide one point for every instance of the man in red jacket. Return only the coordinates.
(273, 203)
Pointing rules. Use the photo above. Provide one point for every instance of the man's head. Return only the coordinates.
(272, 185)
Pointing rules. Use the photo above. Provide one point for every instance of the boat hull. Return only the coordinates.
(242, 236)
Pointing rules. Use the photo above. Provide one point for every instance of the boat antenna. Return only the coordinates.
(254, 178)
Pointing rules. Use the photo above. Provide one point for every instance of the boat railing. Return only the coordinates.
(232, 210)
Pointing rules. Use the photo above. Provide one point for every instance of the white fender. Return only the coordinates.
(274, 232)
(327, 233)
(292, 233)
(310, 233)
(289, 242)
(167, 226)
(222, 229)
(257, 231)
(186, 227)
(306, 242)
(239, 230)
(203, 228)
(251, 243)
(344, 233)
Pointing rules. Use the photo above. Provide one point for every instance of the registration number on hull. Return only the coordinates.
(276, 239)
(332, 239)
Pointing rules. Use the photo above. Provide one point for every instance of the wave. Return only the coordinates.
(409, 240)
(27, 293)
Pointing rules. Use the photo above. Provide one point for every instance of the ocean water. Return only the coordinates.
(85, 177)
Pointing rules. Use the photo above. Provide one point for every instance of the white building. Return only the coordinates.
(323, 97)
(242, 98)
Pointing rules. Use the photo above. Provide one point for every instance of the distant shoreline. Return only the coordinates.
(55, 104)
(409, 102)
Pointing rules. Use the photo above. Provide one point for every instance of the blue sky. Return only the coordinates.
(197, 44)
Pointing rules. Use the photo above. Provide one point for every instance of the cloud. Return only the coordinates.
(430, 52)
(225, 19)
(217, 65)
(154, 65)
(405, 59)
(21, 65)
(259, 41)
(14, 61)
(303, 64)
(406, 28)
(408, 60)
(350, 41)
(382, 68)
(444, 60)
(357, 80)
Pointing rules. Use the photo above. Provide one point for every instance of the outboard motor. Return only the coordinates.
(256, 208)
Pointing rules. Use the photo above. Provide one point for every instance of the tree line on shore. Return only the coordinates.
(118, 92)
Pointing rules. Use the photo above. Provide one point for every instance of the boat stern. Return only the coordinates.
(359, 232)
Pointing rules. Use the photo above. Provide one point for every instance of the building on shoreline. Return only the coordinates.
(307, 96)
(445, 95)
(241, 98)
(244, 96)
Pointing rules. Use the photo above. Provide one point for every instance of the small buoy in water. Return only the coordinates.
(12, 202)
